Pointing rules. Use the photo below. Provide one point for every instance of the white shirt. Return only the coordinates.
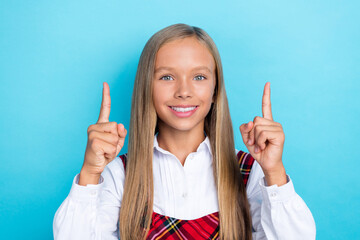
(183, 192)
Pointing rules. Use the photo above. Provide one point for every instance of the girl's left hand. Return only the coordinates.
(265, 139)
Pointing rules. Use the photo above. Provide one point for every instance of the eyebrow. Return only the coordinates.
(195, 68)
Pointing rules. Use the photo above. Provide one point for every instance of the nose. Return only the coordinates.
(183, 89)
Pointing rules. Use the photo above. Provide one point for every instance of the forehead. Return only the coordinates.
(184, 53)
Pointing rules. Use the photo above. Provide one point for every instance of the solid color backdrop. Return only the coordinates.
(56, 54)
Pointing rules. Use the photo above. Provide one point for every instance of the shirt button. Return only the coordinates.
(184, 195)
(273, 194)
(93, 193)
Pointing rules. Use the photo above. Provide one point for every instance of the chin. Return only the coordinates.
(184, 127)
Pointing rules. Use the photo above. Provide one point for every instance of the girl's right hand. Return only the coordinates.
(105, 140)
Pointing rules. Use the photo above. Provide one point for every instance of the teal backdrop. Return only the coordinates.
(55, 55)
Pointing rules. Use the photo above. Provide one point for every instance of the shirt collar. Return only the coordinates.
(204, 145)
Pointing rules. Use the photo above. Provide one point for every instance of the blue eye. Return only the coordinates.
(165, 76)
(203, 77)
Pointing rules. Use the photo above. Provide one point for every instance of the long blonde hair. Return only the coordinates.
(137, 203)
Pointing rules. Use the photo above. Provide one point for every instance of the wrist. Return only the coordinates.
(277, 177)
(86, 178)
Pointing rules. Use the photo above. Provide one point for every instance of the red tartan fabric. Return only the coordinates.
(164, 227)
(245, 163)
(206, 227)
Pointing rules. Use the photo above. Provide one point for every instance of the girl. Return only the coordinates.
(180, 178)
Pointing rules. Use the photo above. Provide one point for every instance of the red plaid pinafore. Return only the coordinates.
(206, 227)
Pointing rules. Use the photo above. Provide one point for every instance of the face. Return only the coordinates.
(183, 85)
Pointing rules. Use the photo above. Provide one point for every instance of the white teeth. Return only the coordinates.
(180, 109)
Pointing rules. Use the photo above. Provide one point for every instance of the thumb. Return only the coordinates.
(121, 130)
(122, 134)
(245, 130)
(246, 127)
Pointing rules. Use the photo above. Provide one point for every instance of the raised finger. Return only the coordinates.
(105, 104)
(266, 103)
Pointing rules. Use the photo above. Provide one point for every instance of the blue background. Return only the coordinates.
(56, 54)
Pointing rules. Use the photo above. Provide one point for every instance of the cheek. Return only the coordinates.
(206, 94)
(157, 100)
(159, 88)
(159, 97)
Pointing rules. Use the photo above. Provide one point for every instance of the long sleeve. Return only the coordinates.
(277, 212)
(92, 211)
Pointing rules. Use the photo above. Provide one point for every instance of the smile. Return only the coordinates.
(183, 111)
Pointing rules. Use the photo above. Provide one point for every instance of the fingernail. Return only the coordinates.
(249, 142)
(256, 149)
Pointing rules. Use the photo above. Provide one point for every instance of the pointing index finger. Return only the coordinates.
(105, 104)
(266, 102)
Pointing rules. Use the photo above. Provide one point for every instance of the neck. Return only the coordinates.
(180, 143)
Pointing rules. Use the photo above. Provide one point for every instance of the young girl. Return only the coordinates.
(182, 177)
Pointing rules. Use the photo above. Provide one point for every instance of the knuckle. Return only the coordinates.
(252, 137)
(106, 104)
(91, 134)
(115, 138)
(252, 133)
(90, 128)
(262, 134)
(113, 124)
(282, 136)
(94, 142)
(113, 150)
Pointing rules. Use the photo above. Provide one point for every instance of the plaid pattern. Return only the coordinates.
(206, 227)
(164, 227)
(245, 163)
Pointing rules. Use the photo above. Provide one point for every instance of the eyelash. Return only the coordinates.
(200, 75)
